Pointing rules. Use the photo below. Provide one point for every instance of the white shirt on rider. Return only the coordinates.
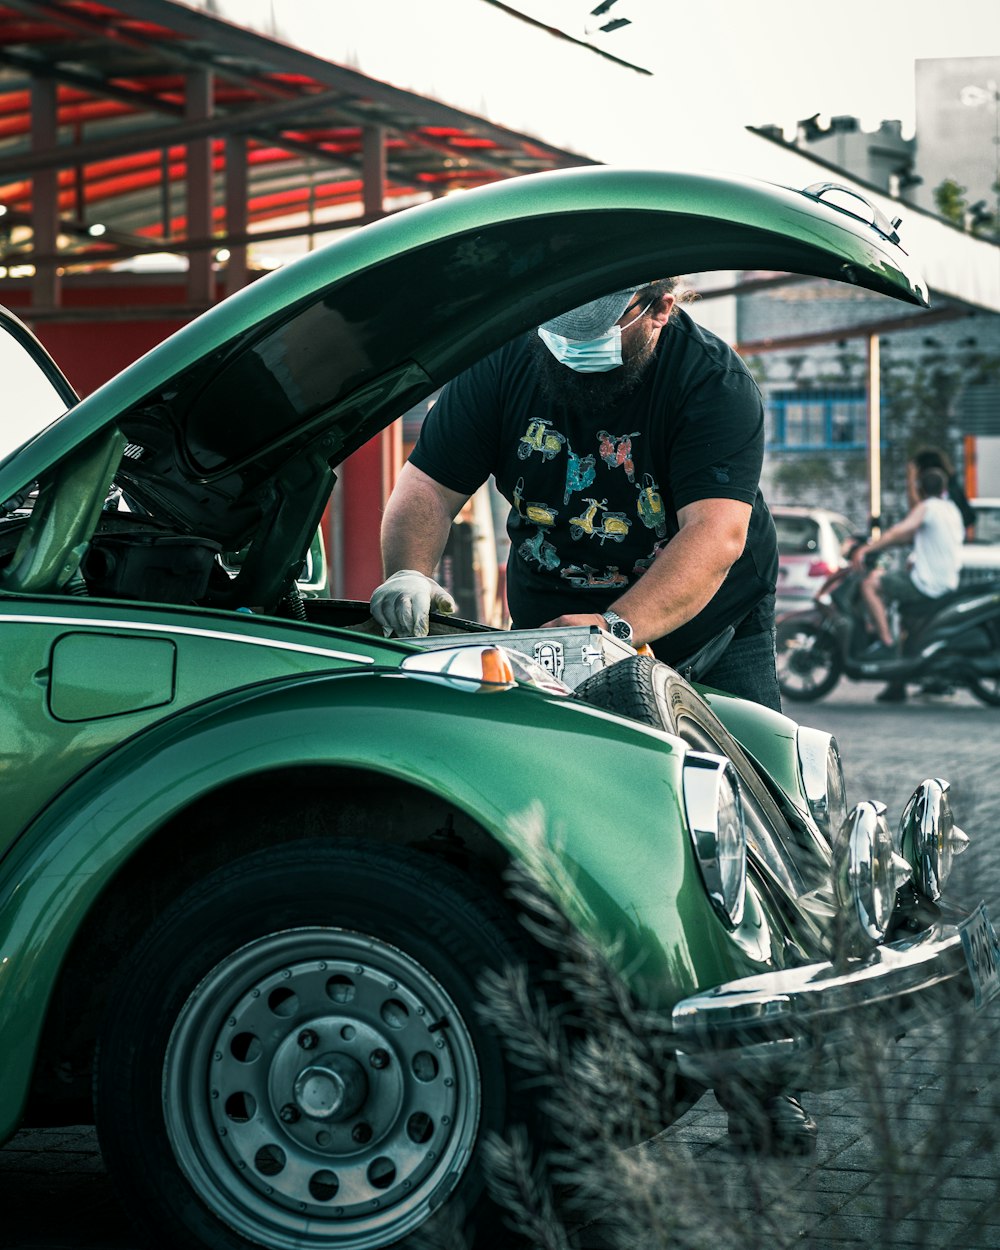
(937, 548)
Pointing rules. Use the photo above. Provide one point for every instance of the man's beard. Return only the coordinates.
(595, 392)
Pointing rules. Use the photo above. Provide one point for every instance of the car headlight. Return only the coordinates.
(490, 667)
(715, 818)
(822, 779)
(928, 837)
(867, 873)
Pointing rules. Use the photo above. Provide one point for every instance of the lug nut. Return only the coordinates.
(379, 1058)
(289, 1113)
(362, 1133)
(308, 1039)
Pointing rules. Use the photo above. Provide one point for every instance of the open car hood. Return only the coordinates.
(289, 376)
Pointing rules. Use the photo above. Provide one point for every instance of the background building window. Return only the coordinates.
(814, 420)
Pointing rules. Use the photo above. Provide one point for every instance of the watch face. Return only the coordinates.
(622, 630)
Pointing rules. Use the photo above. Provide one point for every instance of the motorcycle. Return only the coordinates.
(955, 642)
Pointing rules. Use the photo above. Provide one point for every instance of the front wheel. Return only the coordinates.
(807, 661)
(294, 1057)
(986, 690)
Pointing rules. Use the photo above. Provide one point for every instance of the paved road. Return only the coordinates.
(912, 1161)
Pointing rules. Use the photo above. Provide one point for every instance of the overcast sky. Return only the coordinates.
(782, 60)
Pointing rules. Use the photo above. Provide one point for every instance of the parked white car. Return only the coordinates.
(981, 554)
(811, 544)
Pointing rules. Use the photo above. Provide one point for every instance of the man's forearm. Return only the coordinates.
(681, 581)
(414, 542)
(416, 523)
(685, 576)
(899, 535)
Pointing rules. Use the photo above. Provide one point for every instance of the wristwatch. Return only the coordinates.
(618, 626)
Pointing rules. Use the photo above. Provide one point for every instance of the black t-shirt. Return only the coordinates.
(595, 497)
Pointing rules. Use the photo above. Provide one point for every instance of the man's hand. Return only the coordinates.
(589, 618)
(403, 603)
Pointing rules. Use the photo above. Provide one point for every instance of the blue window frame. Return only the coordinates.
(816, 420)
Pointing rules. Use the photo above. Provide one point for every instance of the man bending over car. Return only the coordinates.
(628, 441)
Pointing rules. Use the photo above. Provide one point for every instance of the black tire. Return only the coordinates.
(986, 690)
(807, 661)
(626, 688)
(653, 693)
(267, 1077)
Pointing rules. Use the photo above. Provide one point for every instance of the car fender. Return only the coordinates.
(592, 809)
(768, 737)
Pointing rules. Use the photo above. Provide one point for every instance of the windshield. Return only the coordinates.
(35, 394)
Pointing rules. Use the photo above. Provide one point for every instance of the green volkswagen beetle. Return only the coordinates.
(253, 854)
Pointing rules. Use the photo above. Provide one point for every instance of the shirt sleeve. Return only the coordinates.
(718, 449)
(458, 441)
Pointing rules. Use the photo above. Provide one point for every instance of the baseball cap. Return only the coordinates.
(589, 321)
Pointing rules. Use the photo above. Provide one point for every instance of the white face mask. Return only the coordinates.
(588, 355)
(598, 355)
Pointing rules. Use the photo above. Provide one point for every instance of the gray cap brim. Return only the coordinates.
(590, 321)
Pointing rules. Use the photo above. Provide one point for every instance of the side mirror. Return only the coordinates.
(313, 578)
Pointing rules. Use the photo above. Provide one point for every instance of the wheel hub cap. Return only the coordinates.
(320, 1085)
(333, 1091)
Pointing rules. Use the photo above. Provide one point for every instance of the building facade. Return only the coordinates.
(940, 379)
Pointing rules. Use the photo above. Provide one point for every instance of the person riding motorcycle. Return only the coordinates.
(935, 529)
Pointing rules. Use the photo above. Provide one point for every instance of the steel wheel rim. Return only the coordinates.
(320, 1086)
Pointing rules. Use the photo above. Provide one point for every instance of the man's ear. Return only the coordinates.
(660, 312)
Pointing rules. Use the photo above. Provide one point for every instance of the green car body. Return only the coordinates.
(153, 739)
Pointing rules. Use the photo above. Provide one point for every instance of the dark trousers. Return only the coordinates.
(746, 669)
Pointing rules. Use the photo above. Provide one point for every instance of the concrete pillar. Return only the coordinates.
(365, 481)
(198, 107)
(373, 169)
(874, 398)
(45, 289)
(237, 213)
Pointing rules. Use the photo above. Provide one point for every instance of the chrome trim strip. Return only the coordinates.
(702, 779)
(796, 1025)
(817, 752)
(189, 630)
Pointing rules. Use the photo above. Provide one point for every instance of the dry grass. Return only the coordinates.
(602, 1070)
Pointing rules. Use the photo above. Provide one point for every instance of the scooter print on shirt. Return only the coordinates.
(642, 564)
(580, 472)
(536, 513)
(538, 551)
(616, 451)
(585, 577)
(538, 437)
(614, 525)
(650, 506)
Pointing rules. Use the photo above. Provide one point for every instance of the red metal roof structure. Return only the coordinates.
(138, 126)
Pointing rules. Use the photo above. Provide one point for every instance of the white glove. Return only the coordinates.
(403, 603)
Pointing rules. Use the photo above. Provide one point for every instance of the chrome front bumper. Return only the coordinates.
(799, 1028)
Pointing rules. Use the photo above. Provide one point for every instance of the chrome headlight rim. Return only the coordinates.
(928, 838)
(713, 804)
(867, 874)
(821, 773)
